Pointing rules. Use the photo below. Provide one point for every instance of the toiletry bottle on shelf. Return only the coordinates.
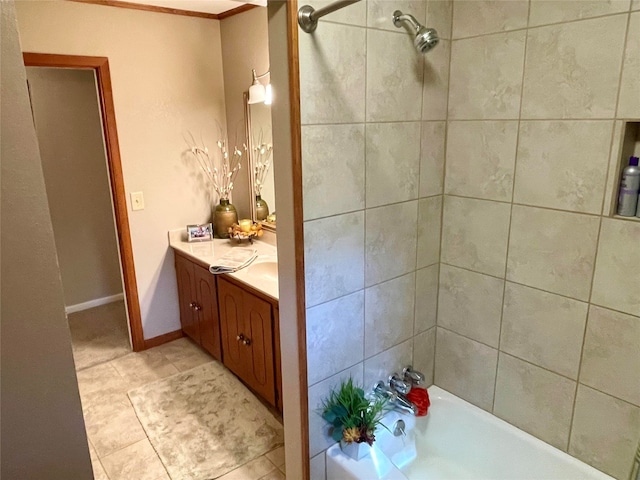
(629, 189)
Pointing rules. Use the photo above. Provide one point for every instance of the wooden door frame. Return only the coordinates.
(100, 65)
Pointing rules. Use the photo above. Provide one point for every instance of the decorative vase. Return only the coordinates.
(224, 217)
(262, 209)
(357, 451)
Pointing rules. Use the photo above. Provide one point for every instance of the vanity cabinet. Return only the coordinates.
(247, 337)
(198, 301)
(236, 324)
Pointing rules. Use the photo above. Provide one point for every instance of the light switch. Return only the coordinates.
(137, 201)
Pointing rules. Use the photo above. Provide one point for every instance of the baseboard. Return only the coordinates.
(161, 339)
(78, 307)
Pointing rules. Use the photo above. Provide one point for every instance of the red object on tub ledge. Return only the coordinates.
(420, 398)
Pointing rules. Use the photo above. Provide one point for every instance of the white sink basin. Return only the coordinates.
(264, 267)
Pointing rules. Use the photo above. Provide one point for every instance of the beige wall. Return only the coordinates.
(43, 432)
(372, 146)
(68, 124)
(539, 311)
(245, 46)
(167, 80)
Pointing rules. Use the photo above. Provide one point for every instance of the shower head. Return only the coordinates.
(426, 38)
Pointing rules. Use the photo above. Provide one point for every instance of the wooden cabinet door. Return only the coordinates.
(187, 297)
(259, 352)
(207, 300)
(232, 326)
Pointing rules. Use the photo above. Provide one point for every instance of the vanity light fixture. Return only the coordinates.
(258, 93)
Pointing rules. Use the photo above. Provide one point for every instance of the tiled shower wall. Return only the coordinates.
(539, 299)
(373, 136)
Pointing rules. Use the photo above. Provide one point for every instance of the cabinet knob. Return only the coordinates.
(198, 307)
(247, 341)
(192, 305)
(240, 337)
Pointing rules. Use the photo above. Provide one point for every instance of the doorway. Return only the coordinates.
(81, 68)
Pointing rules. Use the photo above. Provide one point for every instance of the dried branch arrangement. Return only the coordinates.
(262, 155)
(219, 169)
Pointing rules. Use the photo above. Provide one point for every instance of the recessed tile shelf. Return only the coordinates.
(628, 144)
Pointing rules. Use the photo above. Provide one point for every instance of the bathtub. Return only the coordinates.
(458, 440)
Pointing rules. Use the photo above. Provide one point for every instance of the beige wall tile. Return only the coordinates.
(393, 162)
(380, 12)
(553, 251)
(429, 226)
(333, 161)
(571, 70)
(329, 350)
(439, 16)
(635, 5)
(394, 77)
(355, 14)
(332, 68)
(391, 240)
(470, 304)
(543, 328)
(317, 466)
(554, 11)
(432, 158)
(563, 164)
(605, 432)
(380, 366)
(465, 368)
(319, 438)
(435, 85)
(617, 275)
(481, 159)
(334, 257)
(426, 298)
(474, 234)
(486, 77)
(424, 348)
(535, 400)
(613, 178)
(478, 17)
(629, 102)
(389, 313)
(611, 358)
(138, 461)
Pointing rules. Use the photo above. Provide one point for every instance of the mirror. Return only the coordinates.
(260, 143)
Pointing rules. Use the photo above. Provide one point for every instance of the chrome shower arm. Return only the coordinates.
(399, 17)
(308, 16)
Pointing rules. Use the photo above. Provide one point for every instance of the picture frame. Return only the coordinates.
(200, 233)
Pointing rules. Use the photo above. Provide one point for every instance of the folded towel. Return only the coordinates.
(234, 260)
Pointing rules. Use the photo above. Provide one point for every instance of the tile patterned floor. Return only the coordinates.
(119, 447)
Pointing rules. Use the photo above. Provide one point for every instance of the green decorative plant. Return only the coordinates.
(352, 416)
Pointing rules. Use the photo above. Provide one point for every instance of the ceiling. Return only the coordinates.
(204, 6)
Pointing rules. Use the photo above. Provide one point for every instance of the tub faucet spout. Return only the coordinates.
(398, 400)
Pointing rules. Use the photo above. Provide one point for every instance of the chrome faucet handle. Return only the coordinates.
(398, 384)
(412, 376)
(384, 391)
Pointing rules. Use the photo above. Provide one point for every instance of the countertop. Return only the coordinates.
(206, 253)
